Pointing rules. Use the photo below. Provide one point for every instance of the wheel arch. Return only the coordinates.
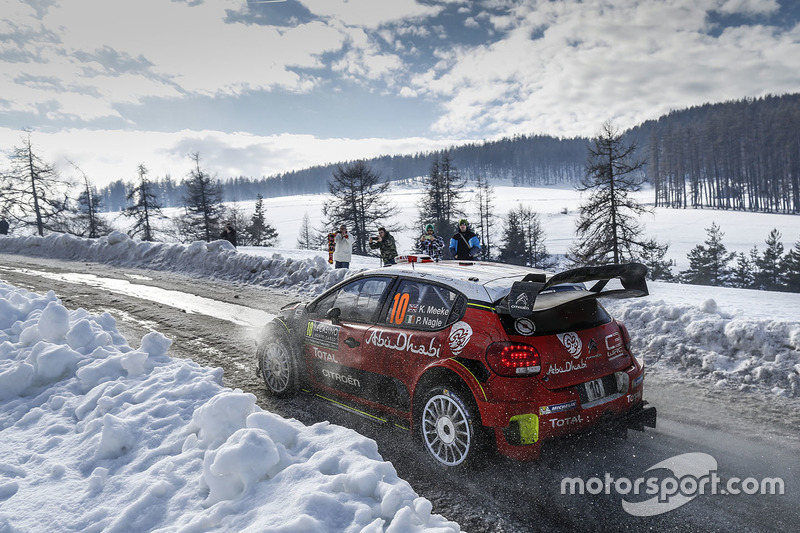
(452, 374)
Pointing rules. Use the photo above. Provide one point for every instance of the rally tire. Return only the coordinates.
(277, 362)
(450, 427)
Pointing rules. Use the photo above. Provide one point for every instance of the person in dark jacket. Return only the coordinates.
(4, 226)
(464, 244)
(229, 234)
(385, 243)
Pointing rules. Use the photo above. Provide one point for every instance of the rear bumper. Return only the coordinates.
(521, 428)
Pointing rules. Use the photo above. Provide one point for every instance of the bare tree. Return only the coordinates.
(484, 198)
(33, 193)
(87, 220)
(143, 206)
(358, 199)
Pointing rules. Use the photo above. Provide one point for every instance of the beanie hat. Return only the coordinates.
(428, 226)
(463, 221)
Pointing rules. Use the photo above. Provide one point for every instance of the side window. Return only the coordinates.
(358, 301)
(420, 305)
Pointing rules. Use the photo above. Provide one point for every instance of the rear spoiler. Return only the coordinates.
(536, 293)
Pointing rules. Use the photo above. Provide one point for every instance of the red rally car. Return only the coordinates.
(470, 356)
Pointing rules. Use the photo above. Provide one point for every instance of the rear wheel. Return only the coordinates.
(450, 427)
(278, 363)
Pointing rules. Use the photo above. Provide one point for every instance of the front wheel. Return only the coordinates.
(450, 427)
(278, 365)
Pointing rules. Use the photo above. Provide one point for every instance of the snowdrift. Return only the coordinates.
(98, 436)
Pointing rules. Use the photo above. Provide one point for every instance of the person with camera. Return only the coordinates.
(430, 243)
(343, 252)
(385, 243)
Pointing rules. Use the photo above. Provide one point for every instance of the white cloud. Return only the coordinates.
(591, 61)
(108, 155)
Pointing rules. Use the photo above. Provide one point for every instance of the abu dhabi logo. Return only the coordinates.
(692, 475)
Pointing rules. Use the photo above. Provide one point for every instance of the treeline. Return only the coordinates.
(741, 155)
(774, 269)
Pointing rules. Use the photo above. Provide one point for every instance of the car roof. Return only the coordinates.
(482, 281)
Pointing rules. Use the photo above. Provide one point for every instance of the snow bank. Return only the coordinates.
(706, 343)
(98, 436)
(216, 259)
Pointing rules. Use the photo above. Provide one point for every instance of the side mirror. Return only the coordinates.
(333, 315)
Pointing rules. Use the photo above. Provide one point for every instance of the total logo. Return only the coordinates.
(563, 422)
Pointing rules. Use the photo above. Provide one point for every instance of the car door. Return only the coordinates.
(408, 336)
(333, 345)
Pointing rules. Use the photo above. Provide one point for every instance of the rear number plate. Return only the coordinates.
(594, 390)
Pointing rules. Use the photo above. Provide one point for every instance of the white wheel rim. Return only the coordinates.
(445, 429)
(276, 367)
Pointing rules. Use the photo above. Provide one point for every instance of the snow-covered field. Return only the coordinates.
(557, 206)
(98, 435)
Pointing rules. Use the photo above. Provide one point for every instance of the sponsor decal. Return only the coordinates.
(557, 408)
(341, 378)
(298, 312)
(569, 366)
(325, 356)
(404, 342)
(614, 345)
(635, 397)
(460, 334)
(321, 334)
(568, 421)
(638, 381)
(524, 326)
(572, 343)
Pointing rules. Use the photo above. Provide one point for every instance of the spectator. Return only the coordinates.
(385, 243)
(464, 244)
(3, 226)
(430, 243)
(344, 248)
(229, 234)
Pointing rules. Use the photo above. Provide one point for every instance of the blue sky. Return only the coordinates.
(263, 87)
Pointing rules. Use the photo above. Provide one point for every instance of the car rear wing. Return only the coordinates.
(536, 293)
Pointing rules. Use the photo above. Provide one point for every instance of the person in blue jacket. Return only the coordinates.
(464, 244)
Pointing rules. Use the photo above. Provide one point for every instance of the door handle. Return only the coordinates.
(351, 342)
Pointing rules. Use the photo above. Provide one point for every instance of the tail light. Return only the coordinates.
(512, 359)
(626, 337)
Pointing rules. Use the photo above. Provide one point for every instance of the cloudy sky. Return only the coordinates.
(260, 87)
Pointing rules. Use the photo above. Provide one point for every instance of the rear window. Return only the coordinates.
(572, 316)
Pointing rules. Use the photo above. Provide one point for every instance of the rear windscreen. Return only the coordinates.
(572, 316)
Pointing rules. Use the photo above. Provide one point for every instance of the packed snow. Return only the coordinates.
(101, 436)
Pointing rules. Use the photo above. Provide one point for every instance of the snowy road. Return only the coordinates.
(749, 436)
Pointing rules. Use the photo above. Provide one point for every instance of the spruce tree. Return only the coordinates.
(440, 203)
(708, 265)
(203, 204)
(523, 240)
(260, 233)
(608, 230)
(770, 276)
(742, 272)
(791, 268)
